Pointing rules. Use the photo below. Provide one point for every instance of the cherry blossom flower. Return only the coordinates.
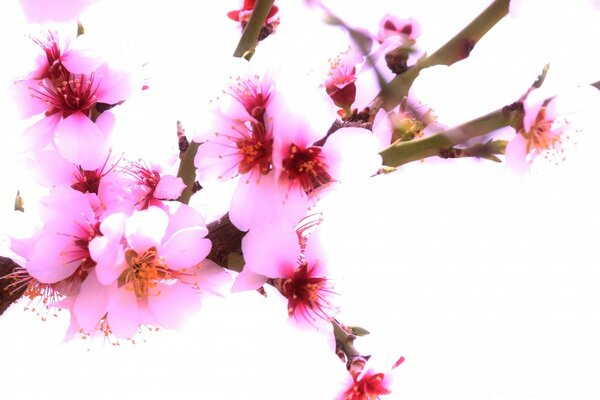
(61, 52)
(240, 145)
(547, 125)
(72, 92)
(60, 251)
(300, 276)
(367, 382)
(147, 270)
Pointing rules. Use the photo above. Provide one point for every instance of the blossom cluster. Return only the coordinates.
(118, 247)
(110, 247)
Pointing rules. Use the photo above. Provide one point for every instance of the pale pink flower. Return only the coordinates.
(40, 11)
(73, 90)
(60, 251)
(147, 270)
(240, 145)
(69, 106)
(548, 124)
(300, 276)
(367, 382)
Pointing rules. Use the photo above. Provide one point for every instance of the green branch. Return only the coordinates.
(249, 39)
(456, 49)
(187, 171)
(400, 153)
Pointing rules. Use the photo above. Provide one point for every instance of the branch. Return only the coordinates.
(345, 341)
(400, 153)
(249, 39)
(7, 296)
(456, 49)
(187, 171)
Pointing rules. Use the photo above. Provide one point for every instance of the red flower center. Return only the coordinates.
(256, 150)
(78, 93)
(307, 167)
(368, 388)
(305, 293)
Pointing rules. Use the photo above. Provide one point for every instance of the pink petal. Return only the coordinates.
(382, 128)
(185, 248)
(38, 135)
(23, 94)
(123, 313)
(210, 277)
(106, 122)
(531, 113)
(216, 161)
(90, 305)
(110, 259)
(352, 154)
(115, 85)
(145, 229)
(40, 11)
(182, 216)
(271, 250)
(315, 254)
(264, 201)
(53, 169)
(50, 260)
(173, 304)
(516, 155)
(80, 141)
(248, 280)
(169, 187)
(79, 58)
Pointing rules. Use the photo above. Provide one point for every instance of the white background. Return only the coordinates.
(486, 282)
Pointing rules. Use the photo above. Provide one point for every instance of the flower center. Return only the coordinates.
(144, 273)
(307, 167)
(541, 136)
(256, 151)
(305, 293)
(78, 93)
(251, 95)
(368, 388)
(87, 181)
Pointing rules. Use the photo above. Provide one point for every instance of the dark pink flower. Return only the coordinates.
(300, 276)
(366, 382)
(302, 164)
(340, 84)
(241, 145)
(61, 249)
(148, 270)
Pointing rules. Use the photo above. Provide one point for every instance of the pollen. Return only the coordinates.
(144, 273)
(307, 167)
